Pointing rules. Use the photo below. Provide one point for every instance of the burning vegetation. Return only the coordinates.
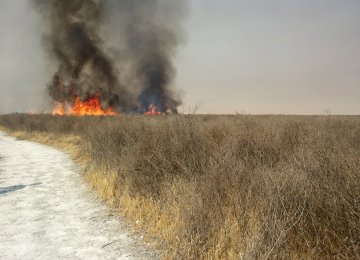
(133, 75)
(90, 107)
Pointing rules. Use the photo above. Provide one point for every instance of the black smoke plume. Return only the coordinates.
(138, 70)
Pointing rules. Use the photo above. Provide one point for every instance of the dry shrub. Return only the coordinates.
(226, 187)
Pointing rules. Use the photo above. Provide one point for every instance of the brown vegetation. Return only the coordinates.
(224, 187)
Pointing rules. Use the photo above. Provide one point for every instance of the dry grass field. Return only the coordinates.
(221, 187)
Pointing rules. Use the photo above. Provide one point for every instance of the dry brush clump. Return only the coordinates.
(226, 187)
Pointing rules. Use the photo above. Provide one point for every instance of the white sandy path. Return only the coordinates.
(47, 212)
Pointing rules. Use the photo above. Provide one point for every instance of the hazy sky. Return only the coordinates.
(258, 56)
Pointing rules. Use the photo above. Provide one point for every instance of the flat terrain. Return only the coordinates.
(47, 212)
(201, 186)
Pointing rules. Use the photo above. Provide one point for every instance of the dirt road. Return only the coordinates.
(47, 212)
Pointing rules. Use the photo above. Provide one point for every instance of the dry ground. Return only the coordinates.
(48, 212)
(222, 187)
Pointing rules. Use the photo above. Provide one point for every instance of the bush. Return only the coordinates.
(232, 186)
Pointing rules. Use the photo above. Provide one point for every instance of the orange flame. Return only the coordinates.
(59, 109)
(152, 111)
(89, 107)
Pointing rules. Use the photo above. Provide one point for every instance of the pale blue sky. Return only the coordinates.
(267, 56)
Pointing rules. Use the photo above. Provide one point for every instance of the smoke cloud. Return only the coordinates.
(119, 50)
